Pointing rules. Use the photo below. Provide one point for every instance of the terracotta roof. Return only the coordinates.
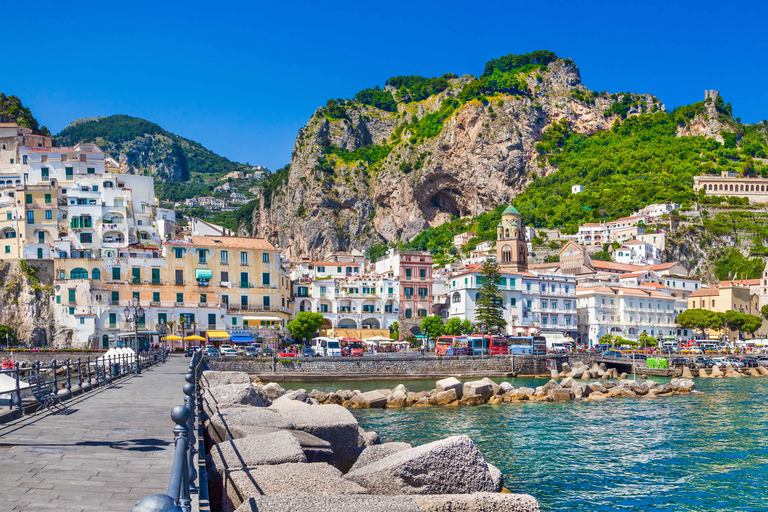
(705, 292)
(662, 266)
(633, 274)
(657, 285)
(535, 266)
(635, 242)
(234, 242)
(591, 224)
(612, 265)
(740, 282)
(8, 125)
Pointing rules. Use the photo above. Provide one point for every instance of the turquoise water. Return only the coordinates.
(705, 452)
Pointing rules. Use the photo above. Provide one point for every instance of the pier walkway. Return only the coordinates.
(113, 447)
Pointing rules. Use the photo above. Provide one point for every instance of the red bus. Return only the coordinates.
(499, 346)
(451, 346)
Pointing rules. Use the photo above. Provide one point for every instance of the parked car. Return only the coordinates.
(356, 349)
(287, 352)
(190, 351)
(309, 352)
(229, 352)
(613, 353)
(762, 361)
(267, 352)
(211, 352)
(250, 352)
(680, 361)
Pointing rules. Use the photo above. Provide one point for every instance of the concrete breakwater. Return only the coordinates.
(272, 450)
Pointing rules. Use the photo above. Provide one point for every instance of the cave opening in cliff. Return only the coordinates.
(442, 206)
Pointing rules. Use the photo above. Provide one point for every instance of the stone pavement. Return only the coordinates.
(113, 448)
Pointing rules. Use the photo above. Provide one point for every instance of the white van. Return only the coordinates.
(320, 346)
(334, 348)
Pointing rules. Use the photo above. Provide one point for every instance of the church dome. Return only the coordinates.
(511, 210)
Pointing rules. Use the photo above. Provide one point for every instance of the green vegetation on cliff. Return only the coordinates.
(12, 111)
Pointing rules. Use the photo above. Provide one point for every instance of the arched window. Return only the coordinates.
(506, 254)
(78, 273)
(506, 234)
(96, 274)
(456, 297)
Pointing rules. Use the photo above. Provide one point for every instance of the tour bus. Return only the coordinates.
(323, 346)
(520, 345)
(499, 346)
(478, 344)
(451, 346)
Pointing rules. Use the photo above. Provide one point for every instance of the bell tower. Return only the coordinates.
(511, 247)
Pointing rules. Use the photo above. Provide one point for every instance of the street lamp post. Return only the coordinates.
(134, 313)
(162, 328)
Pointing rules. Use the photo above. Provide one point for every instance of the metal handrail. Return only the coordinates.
(85, 372)
(183, 473)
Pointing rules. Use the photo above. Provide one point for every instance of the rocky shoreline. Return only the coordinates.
(272, 450)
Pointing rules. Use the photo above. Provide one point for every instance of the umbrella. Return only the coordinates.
(173, 337)
(194, 337)
(377, 338)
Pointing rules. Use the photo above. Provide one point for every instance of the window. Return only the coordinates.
(178, 252)
(543, 304)
(322, 290)
(234, 321)
(265, 257)
(155, 276)
(179, 297)
(566, 289)
(244, 301)
(513, 302)
(225, 277)
(528, 304)
(225, 299)
(96, 274)
(86, 238)
(303, 291)
(554, 304)
(115, 298)
(338, 270)
(544, 320)
(265, 278)
(422, 313)
(47, 198)
(408, 292)
(243, 258)
(7, 249)
(115, 273)
(137, 296)
(155, 296)
(136, 275)
(528, 287)
(23, 158)
(90, 170)
(323, 308)
(8, 216)
(71, 311)
(265, 301)
(567, 305)
(408, 313)
(82, 320)
(202, 256)
(179, 277)
(390, 291)
(71, 295)
(69, 172)
(456, 298)
(320, 270)
(552, 288)
(48, 214)
(224, 258)
(30, 217)
(407, 273)
(244, 280)
(203, 298)
(29, 198)
(113, 320)
(212, 319)
(422, 273)
(423, 292)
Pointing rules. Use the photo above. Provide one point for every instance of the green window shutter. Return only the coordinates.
(71, 295)
(155, 275)
(29, 198)
(136, 275)
(58, 299)
(155, 296)
(47, 198)
(115, 273)
(115, 297)
(69, 171)
(179, 297)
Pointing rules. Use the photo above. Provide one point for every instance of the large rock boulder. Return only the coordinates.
(332, 423)
(267, 449)
(496, 387)
(299, 395)
(230, 395)
(228, 422)
(400, 388)
(506, 387)
(397, 399)
(477, 502)
(497, 476)
(328, 503)
(476, 392)
(291, 478)
(445, 397)
(273, 390)
(763, 370)
(368, 400)
(560, 395)
(448, 466)
(367, 438)
(210, 378)
(450, 383)
(716, 372)
(687, 373)
(375, 453)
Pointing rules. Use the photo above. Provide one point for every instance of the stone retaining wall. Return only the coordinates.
(390, 366)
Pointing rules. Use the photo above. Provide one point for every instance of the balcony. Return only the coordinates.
(245, 285)
(179, 282)
(154, 304)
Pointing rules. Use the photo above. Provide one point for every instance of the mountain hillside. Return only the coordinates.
(393, 161)
(12, 111)
(142, 147)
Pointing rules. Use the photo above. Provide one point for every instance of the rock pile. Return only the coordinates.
(730, 372)
(272, 450)
(451, 392)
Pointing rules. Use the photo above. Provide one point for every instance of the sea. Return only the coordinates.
(703, 452)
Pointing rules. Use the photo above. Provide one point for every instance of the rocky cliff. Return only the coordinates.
(25, 301)
(361, 175)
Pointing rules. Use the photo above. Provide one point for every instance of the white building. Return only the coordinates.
(577, 189)
(658, 209)
(356, 301)
(593, 233)
(635, 252)
(626, 312)
(462, 238)
(533, 303)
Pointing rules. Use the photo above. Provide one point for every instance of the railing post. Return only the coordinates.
(80, 373)
(178, 487)
(16, 398)
(55, 378)
(69, 380)
(189, 401)
(138, 366)
(88, 369)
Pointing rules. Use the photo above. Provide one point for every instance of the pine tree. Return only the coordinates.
(490, 302)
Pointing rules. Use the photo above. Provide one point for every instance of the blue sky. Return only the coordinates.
(242, 78)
